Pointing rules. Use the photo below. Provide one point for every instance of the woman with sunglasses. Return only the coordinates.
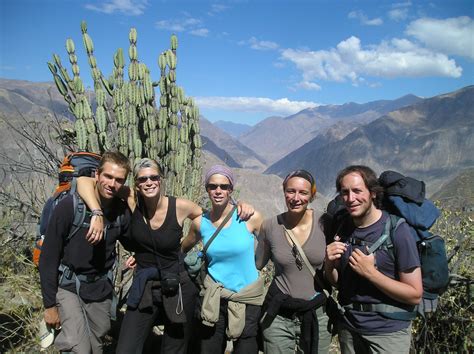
(232, 291)
(161, 287)
(294, 319)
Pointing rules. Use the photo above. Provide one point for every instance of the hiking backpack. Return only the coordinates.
(405, 198)
(433, 260)
(74, 165)
(405, 202)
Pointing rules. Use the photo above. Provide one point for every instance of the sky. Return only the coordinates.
(244, 61)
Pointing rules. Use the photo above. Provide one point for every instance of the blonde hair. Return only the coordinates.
(146, 163)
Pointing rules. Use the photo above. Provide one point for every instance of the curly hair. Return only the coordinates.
(370, 180)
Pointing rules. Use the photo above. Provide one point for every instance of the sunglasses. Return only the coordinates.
(143, 179)
(298, 259)
(213, 187)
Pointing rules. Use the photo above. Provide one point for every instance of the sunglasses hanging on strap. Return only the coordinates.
(300, 255)
(333, 307)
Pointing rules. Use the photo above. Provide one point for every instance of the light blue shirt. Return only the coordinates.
(231, 255)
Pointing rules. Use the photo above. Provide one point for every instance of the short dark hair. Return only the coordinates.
(116, 157)
(368, 176)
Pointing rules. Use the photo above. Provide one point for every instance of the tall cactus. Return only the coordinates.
(126, 115)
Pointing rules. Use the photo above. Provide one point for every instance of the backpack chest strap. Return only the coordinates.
(359, 242)
(389, 311)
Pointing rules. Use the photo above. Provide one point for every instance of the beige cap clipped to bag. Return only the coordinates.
(46, 334)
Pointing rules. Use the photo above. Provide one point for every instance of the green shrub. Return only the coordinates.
(450, 329)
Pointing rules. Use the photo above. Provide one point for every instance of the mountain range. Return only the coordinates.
(275, 137)
(233, 129)
(426, 138)
(430, 140)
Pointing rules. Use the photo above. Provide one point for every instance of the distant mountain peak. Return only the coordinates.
(233, 129)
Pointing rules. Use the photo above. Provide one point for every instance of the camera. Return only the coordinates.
(169, 283)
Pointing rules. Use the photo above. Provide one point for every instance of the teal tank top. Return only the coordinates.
(231, 255)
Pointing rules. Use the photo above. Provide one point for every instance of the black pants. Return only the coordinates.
(214, 339)
(137, 325)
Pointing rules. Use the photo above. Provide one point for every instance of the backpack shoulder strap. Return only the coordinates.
(386, 238)
(73, 189)
(219, 228)
(79, 216)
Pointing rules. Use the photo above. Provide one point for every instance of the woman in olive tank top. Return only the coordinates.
(294, 320)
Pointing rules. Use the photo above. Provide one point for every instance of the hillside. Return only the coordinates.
(304, 155)
(233, 129)
(31, 98)
(458, 192)
(275, 137)
(240, 154)
(366, 111)
(431, 140)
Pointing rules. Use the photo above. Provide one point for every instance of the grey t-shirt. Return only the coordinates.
(273, 244)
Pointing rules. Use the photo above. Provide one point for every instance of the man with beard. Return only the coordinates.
(75, 270)
(375, 290)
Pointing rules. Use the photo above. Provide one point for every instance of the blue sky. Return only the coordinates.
(244, 61)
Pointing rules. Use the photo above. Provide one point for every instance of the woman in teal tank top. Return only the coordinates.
(232, 293)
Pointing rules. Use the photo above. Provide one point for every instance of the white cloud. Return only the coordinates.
(170, 25)
(282, 106)
(398, 14)
(127, 7)
(359, 15)
(217, 8)
(450, 36)
(401, 4)
(349, 61)
(191, 25)
(308, 85)
(7, 68)
(256, 44)
(200, 32)
(399, 11)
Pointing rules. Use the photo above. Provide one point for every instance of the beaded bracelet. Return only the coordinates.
(97, 212)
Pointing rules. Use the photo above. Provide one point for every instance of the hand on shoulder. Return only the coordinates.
(255, 221)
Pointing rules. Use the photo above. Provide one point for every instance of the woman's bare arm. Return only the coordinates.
(263, 252)
(186, 209)
(255, 222)
(193, 237)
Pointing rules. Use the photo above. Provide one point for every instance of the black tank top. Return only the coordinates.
(162, 243)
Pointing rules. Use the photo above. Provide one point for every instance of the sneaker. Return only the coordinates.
(46, 334)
